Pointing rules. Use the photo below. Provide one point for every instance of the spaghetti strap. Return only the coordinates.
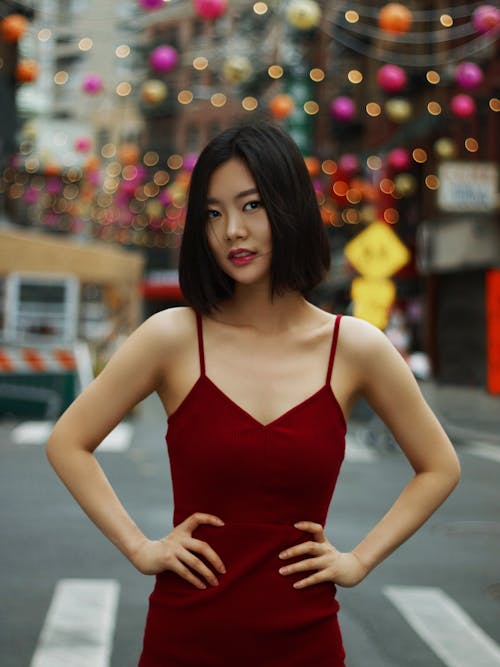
(199, 328)
(333, 348)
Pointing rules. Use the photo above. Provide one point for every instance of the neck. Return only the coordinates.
(253, 307)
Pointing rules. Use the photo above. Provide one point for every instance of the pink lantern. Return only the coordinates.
(349, 164)
(151, 4)
(189, 161)
(163, 58)
(343, 109)
(469, 76)
(54, 186)
(463, 106)
(210, 9)
(83, 144)
(399, 159)
(391, 78)
(486, 18)
(92, 84)
(31, 195)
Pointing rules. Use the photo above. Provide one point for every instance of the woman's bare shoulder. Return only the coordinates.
(360, 337)
(171, 327)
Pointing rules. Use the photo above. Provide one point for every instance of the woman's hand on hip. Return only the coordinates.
(344, 569)
(178, 552)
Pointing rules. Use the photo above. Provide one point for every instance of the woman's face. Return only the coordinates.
(238, 230)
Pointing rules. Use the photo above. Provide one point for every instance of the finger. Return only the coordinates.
(310, 527)
(207, 552)
(199, 518)
(198, 566)
(186, 574)
(304, 565)
(316, 578)
(302, 549)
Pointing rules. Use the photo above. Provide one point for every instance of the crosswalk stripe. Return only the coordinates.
(357, 451)
(37, 432)
(79, 625)
(444, 626)
(484, 450)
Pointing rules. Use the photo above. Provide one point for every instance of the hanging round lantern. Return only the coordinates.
(151, 4)
(153, 91)
(13, 27)
(189, 161)
(469, 75)
(303, 14)
(163, 59)
(92, 84)
(128, 154)
(343, 109)
(445, 148)
(398, 109)
(349, 164)
(237, 69)
(210, 9)
(27, 71)
(391, 78)
(485, 18)
(281, 106)
(313, 166)
(462, 106)
(82, 144)
(395, 18)
(399, 159)
(405, 185)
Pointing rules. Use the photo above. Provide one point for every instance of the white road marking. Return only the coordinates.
(444, 626)
(357, 451)
(37, 433)
(484, 450)
(79, 626)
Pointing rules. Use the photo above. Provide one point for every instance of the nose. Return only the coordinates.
(235, 228)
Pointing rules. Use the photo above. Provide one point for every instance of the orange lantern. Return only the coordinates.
(395, 18)
(281, 106)
(313, 166)
(51, 169)
(27, 71)
(92, 163)
(128, 154)
(13, 27)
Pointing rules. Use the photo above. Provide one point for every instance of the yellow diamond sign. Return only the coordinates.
(377, 252)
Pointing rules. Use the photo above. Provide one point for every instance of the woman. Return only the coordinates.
(257, 383)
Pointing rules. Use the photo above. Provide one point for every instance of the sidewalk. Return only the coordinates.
(465, 412)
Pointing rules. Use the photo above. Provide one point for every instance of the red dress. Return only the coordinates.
(260, 479)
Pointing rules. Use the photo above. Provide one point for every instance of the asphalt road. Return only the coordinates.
(45, 539)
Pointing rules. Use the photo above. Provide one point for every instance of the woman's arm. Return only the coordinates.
(133, 372)
(392, 391)
(384, 379)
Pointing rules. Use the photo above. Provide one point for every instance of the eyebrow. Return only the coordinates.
(244, 193)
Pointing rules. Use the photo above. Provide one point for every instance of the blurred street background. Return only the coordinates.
(104, 107)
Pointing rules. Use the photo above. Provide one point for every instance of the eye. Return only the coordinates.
(252, 205)
(212, 214)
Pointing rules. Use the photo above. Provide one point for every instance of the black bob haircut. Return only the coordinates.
(300, 248)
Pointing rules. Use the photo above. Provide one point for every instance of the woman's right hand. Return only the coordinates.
(177, 552)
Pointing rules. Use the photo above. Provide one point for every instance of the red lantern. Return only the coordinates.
(395, 18)
(13, 27)
(391, 78)
(463, 106)
(27, 71)
(281, 106)
(210, 9)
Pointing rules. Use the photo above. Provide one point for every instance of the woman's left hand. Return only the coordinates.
(344, 569)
